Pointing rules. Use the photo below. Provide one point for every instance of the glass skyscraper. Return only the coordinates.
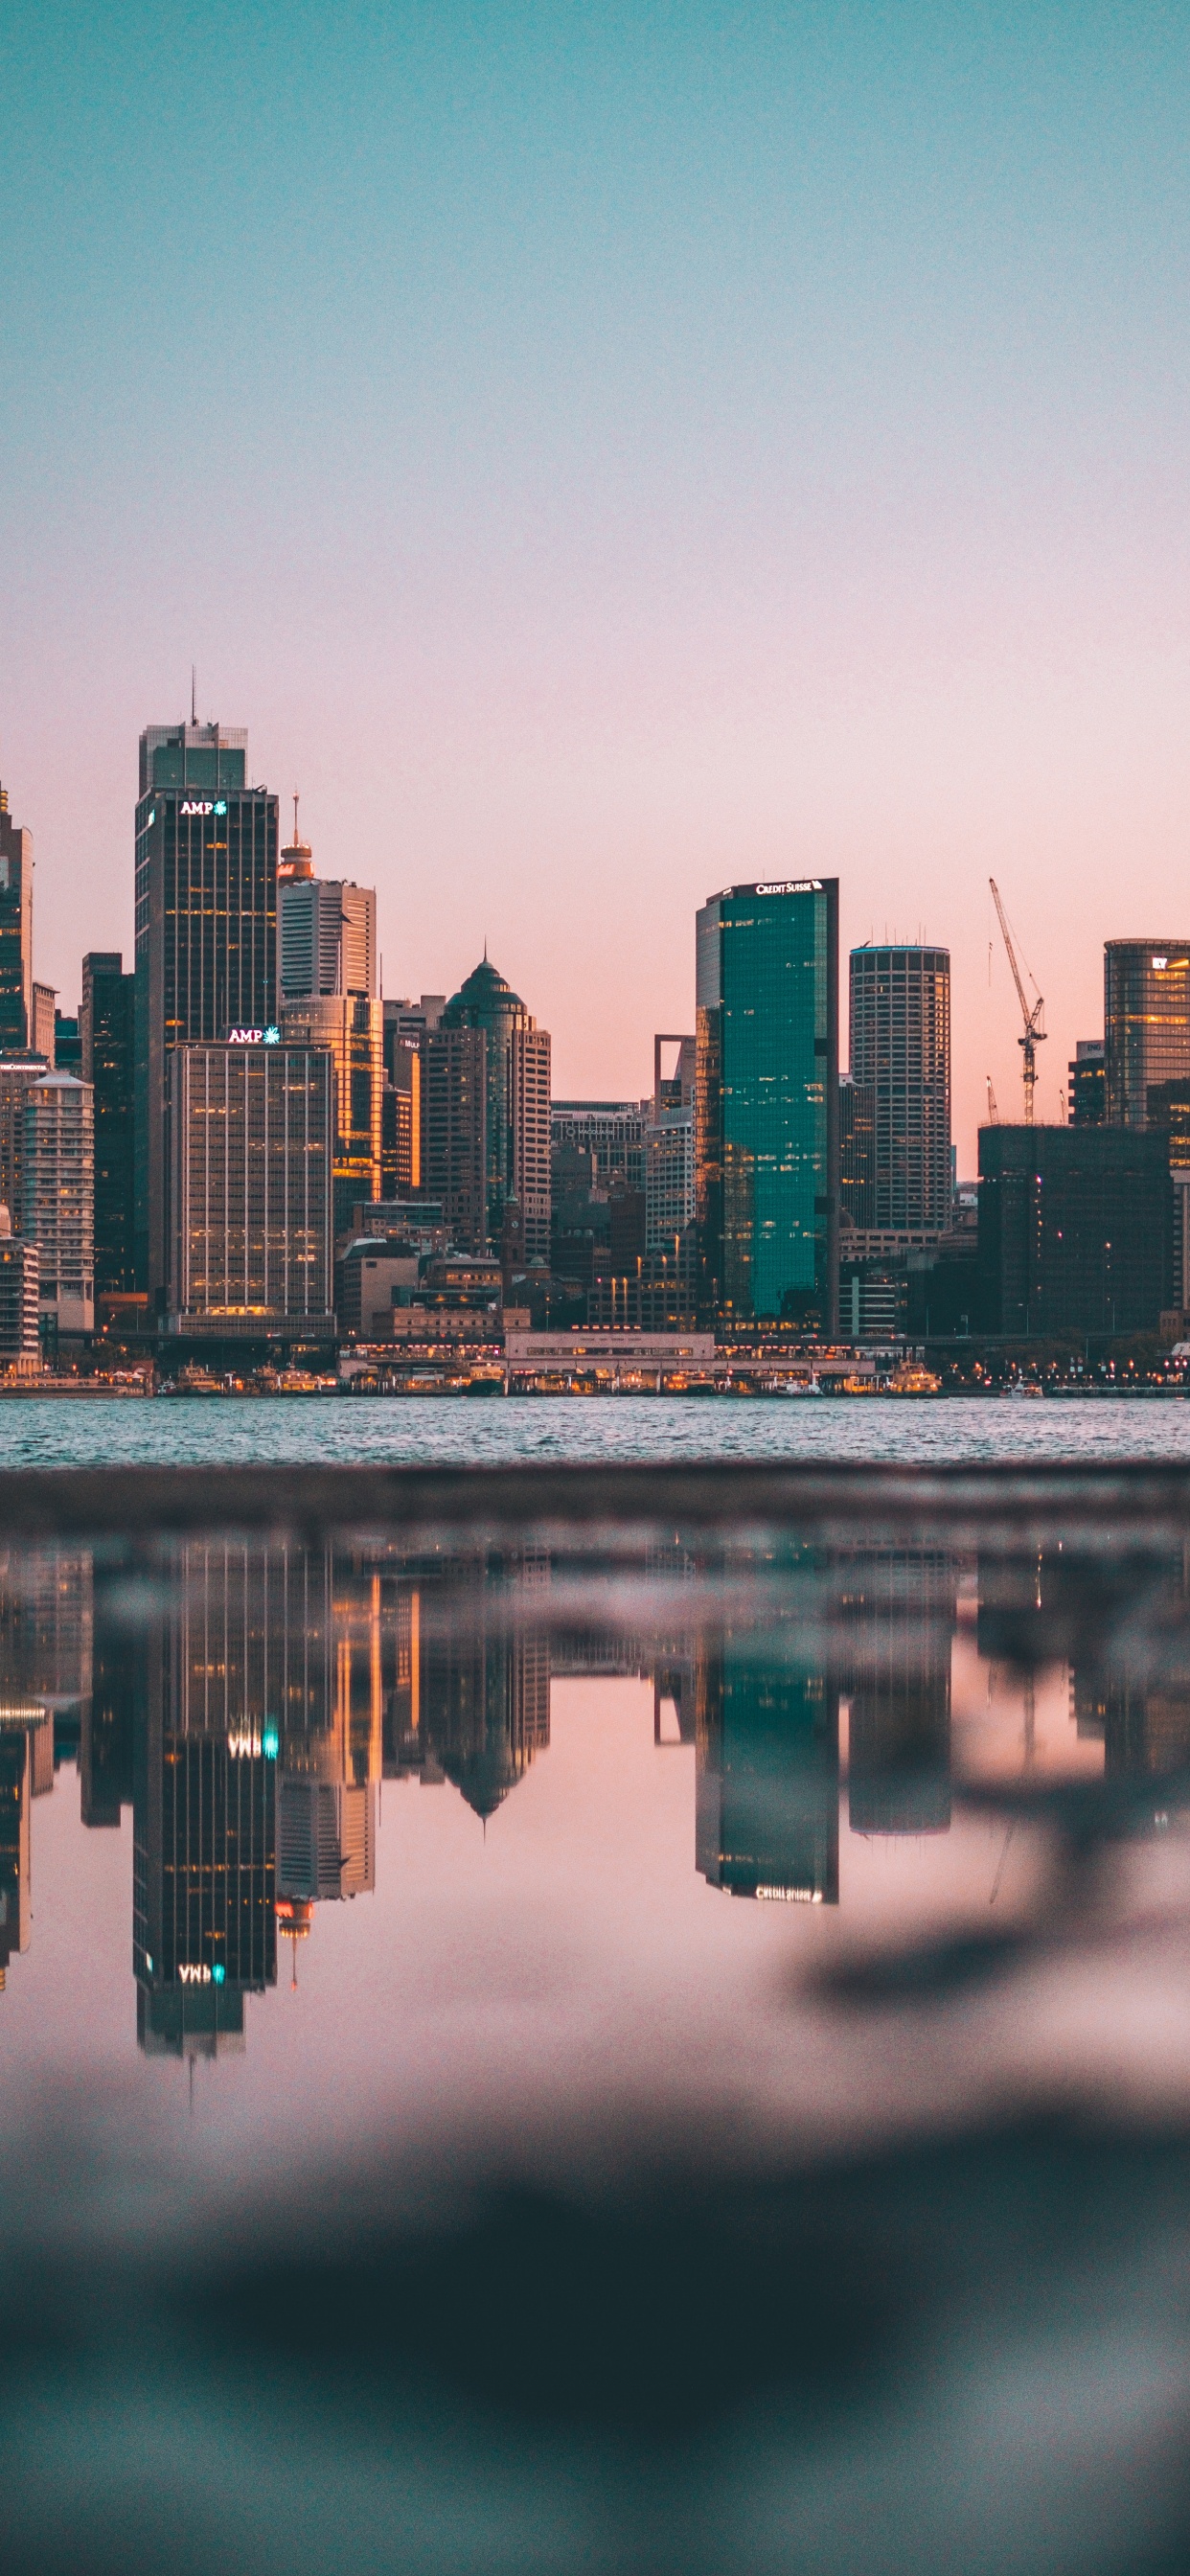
(206, 935)
(1146, 1022)
(767, 1103)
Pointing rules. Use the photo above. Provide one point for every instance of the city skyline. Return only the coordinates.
(662, 456)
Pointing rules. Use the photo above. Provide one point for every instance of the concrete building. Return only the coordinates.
(59, 1198)
(767, 1104)
(250, 1130)
(347, 1026)
(20, 1262)
(517, 1079)
(206, 936)
(326, 929)
(900, 1048)
(16, 933)
(454, 1113)
(1075, 1229)
(1146, 1022)
(374, 1274)
(612, 1131)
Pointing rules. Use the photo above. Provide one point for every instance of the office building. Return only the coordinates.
(1169, 1113)
(454, 1113)
(326, 930)
(250, 1132)
(347, 1028)
(58, 1187)
(18, 1075)
(16, 934)
(374, 1274)
(401, 1121)
(68, 1044)
(45, 1019)
(767, 1104)
(1087, 1077)
(518, 1104)
(20, 1268)
(206, 936)
(611, 1131)
(1146, 1022)
(857, 1156)
(896, 1621)
(410, 1020)
(900, 1047)
(106, 1039)
(1075, 1229)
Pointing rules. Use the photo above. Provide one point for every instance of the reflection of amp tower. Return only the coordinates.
(331, 1749)
(767, 1796)
(898, 1618)
(204, 1867)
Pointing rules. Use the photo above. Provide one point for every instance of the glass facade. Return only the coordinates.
(1146, 1022)
(900, 1046)
(206, 935)
(767, 1104)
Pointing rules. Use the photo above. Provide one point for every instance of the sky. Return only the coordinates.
(606, 453)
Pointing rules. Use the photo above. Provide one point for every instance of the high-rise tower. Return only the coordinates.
(1146, 1022)
(518, 1103)
(206, 933)
(767, 1103)
(900, 1045)
(16, 933)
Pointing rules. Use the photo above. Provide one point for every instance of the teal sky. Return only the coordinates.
(602, 453)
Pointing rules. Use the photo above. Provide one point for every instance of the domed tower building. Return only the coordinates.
(517, 1090)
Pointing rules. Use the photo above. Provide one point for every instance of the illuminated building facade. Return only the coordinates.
(348, 1027)
(206, 936)
(454, 1131)
(1075, 1229)
(767, 1104)
(58, 1190)
(20, 1339)
(250, 1132)
(900, 1047)
(1087, 1084)
(1146, 1022)
(517, 1079)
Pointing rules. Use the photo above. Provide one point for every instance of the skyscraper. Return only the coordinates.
(1146, 1022)
(348, 1027)
(518, 1103)
(106, 1036)
(454, 1131)
(326, 929)
(900, 1044)
(59, 1198)
(206, 934)
(16, 933)
(767, 1103)
(250, 1136)
(1087, 1095)
(857, 1157)
(20, 1343)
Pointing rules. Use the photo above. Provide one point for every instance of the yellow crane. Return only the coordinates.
(1033, 1017)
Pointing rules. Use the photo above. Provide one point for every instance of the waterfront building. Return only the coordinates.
(16, 933)
(1075, 1229)
(454, 1112)
(326, 929)
(17, 1077)
(206, 936)
(1146, 1022)
(611, 1131)
(857, 1156)
(517, 1078)
(669, 1186)
(250, 1131)
(20, 1265)
(374, 1274)
(106, 1037)
(58, 1198)
(900, 1046)
(1087, 1078)
(767, 1104)
(347, 1026)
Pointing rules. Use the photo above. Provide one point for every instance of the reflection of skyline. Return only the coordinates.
(249, 1702)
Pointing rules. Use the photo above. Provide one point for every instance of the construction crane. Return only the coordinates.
(993, 1112)
(1033, 1018)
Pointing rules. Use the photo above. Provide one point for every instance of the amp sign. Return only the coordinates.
(254, 1037)
(196, 805)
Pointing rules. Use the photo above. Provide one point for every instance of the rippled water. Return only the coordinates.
(510, 1431)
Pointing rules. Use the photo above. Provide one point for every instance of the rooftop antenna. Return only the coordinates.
(295, 807)
(193, 695)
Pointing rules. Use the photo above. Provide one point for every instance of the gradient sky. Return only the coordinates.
(607, 452)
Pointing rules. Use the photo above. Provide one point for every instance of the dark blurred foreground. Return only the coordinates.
(971, 2353)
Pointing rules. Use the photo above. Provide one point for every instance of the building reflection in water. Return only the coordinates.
(896, 1616)
(45, 1683)
(767, 1766)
